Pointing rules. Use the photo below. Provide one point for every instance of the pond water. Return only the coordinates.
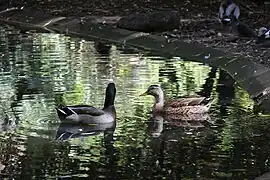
(40, 71)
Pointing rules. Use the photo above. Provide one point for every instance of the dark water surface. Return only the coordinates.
(40, 71)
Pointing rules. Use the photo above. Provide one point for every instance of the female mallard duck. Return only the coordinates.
(184, 106)
(227, 10)
(88, 114)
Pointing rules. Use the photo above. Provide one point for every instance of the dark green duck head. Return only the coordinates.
(110, 95)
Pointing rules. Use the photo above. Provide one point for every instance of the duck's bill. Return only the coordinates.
(144, 94)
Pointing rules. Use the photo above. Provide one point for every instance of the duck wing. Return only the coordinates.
(82, 109)
(194, 101)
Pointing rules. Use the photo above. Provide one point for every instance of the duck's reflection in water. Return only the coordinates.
(155, 125)
(170, 136)
(67, 131)
(156, 122)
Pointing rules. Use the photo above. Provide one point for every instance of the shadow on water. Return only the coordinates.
(207, 87)
(41, 71)
(103, 48)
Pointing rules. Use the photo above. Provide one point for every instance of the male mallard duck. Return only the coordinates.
(88, 114)
(194, 105)
(228, 9)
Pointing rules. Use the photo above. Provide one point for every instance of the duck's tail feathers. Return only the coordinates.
(64, 111)
(72, 111)
(60, 112)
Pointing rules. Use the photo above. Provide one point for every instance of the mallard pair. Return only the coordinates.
(86, 114)
(184, 106)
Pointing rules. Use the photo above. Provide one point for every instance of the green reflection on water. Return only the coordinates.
(41, 71)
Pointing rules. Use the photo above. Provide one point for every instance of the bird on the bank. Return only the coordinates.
(241, 29)
(263, 34)
(184, 105)
(228, 9)
(263, 30)
(89, 114)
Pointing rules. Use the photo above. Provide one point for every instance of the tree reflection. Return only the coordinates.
(105, 66)
(207, 87)
(226, 91)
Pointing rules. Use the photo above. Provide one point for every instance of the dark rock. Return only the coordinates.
(151, 22)
(242, 29)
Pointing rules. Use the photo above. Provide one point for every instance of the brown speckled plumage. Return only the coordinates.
(194, 105)
(186, 105)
